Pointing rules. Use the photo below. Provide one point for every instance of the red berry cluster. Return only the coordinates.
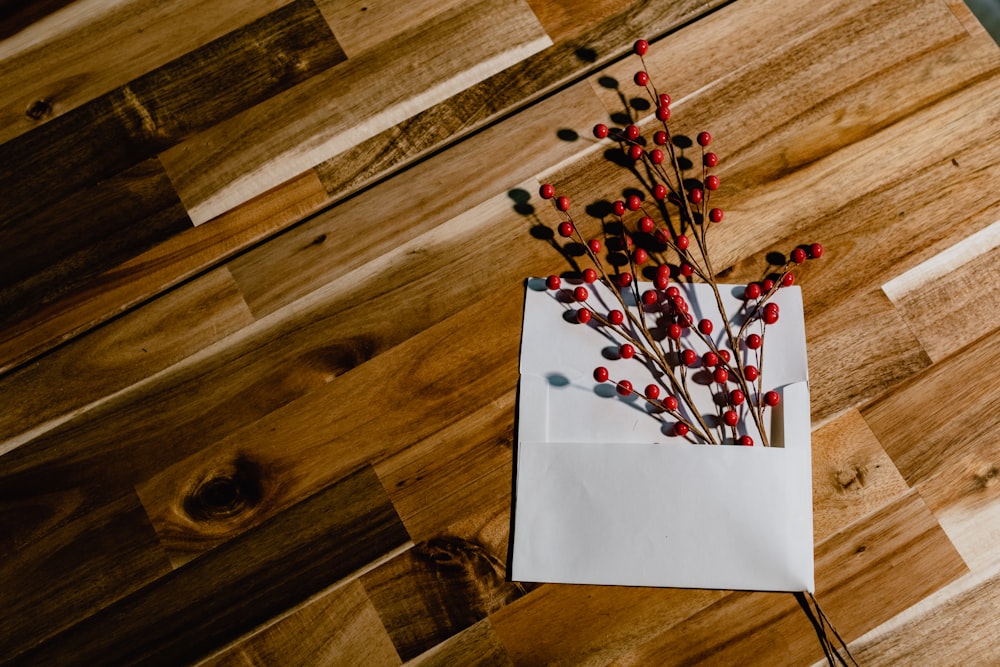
(732, 367)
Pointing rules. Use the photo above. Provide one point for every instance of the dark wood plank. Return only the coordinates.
(64, 246)
(476, 646)
(65, 553)
(213, 600)
(15, 15)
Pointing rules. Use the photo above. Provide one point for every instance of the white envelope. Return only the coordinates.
(603, 495)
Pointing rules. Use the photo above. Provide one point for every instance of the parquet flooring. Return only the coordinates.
(260, 312)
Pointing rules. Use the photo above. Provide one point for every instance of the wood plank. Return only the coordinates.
(970, 278)
(269, 275)
(62, 247)
(865, 575)
(292, 132)
(90, 47)
(360, 25)
(164, 266)
(119, 355)
(337, 628)
(476, 646)
(195, 610)
(68, 551)
(526, 81)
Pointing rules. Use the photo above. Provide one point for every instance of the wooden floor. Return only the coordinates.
(260, 309)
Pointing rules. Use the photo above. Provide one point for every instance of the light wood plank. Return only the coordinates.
(476, 646)
(90, 47)
(360, 25)
(293, 131)
(114, 358)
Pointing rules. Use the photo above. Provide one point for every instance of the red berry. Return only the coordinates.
(715, 215)
(656, 156)
(646, 224)
(681, 429)
(624, 280)
(652, 391)
(673, 292)
(581, 293)
(704, 139)
(686, 270)
(754, 341)
(624, 387)
(815, 251)
(770, 316)
(670, 403)
(601, 374)
(710, 359)
(618, 207)
(712, 182)
(663, 113)
(660, 138)
(724, 355)
(689, 357)
(721, 375)
(737, 396)
(771, 398)
(710, 159)
(633, 202)
(751, 373)
(798, 255)
(589, 275)
(632, 132)
(682, 242)
(705, 326)
(752, 291)
(746, 441)
(664, 100)
(641, 78)
(626, 351)
(640, 256)
(566, 228)
(674, 331)
(553, 282)
(562, 203)
(731, 418)
(583, 316)
(601, 131)
(594, 245)
(616, 317)
(635, 152)
(696, 196)
(649, 297)
(787, 280)
(640, 47)
(661, 282)
(767, 285)
(660, 191)
(547, 191)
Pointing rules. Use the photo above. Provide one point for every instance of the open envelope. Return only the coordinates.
(603, 495)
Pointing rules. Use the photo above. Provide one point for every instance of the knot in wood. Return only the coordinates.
(225, 493)
(39, 109)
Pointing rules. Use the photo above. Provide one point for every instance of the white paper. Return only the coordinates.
(603, 495)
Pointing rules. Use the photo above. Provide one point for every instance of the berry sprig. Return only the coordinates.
(733, 365)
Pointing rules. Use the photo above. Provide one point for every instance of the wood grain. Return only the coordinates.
(475, 646)
(322, 125)
(194, 610)
(360, 25)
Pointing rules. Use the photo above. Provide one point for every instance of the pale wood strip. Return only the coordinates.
(953, 298)
(360, 25)
(476, 646)
(865, 575)
(184, 616)
(473, 171)
(78, 377)
(339, 628)
(568, 19)
(90, 47)
(165, 265)
(313, 121)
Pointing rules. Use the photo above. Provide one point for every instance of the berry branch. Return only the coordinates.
(670, 358)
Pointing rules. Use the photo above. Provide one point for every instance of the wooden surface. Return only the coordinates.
(260, 311)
